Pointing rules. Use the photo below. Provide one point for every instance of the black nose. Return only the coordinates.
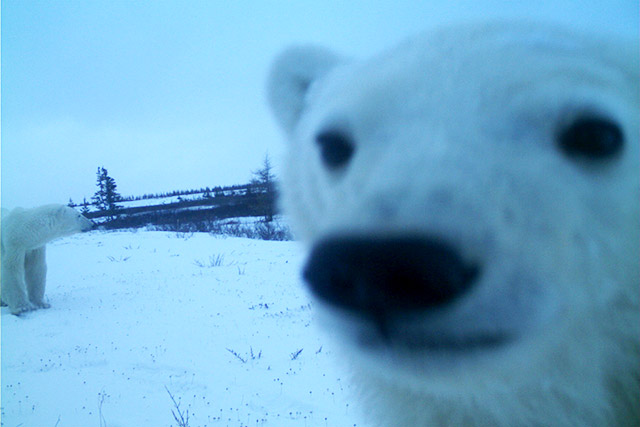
(386, 275)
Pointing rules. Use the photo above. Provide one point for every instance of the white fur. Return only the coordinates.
(455, 136)
(25, 233)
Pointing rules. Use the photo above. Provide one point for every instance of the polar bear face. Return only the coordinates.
(471, 200)
(70, 221)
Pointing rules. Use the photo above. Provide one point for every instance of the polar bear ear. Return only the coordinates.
(291, 75)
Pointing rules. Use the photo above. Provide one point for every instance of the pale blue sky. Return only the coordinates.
(169, 95)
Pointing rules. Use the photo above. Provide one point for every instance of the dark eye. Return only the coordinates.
(336, 148)
(591, 138)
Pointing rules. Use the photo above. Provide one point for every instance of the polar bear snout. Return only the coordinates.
(88, 226)
(380, 276)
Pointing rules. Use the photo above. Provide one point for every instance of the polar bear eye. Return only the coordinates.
(336, 148)
(591, 138)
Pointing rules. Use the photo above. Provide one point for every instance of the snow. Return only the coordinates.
(136, 315)
(160, 200)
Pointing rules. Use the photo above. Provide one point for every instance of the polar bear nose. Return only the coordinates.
(387, 275)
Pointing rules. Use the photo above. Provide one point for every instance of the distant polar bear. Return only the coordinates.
(25, 232)
(471, 201)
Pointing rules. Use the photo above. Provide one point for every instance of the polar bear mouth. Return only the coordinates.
(401, 292)
(371, 333)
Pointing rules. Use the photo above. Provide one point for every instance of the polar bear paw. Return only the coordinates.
(43, 305)
(22, 308)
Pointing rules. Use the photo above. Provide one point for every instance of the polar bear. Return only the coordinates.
(25, 232)
(471, 204)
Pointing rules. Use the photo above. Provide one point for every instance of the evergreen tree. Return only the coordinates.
(264, 176)
(264, 180)
(85, 206)
(106, 197)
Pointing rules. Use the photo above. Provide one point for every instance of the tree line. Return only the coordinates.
(256, 198)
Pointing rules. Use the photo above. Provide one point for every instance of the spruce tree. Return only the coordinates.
(265, 176)
(85, 206)
(106, 197)
(264, 181)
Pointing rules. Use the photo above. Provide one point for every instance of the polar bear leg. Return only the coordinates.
(14, 288)
(35, 269)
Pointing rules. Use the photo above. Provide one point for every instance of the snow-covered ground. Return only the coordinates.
(222, 324)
